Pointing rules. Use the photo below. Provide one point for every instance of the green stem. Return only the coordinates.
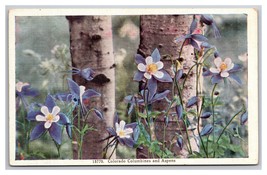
(80, 135)
(226, 127)
(187, 136)
(164, 138)
(188, 73)
(198, 68)
(213, 116)
(58, 149)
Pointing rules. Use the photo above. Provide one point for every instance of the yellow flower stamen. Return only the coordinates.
(151, 68)
(49, 117)
(121, 134)
(223, 66)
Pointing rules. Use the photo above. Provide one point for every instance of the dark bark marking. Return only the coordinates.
(112, 66)
(96, 37)
(100, 79)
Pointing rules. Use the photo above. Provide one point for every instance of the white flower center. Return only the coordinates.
(223, 66)
(48, 117)
(151, 68)
(123, 132)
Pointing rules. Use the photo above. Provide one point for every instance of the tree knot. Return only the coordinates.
(101, 79)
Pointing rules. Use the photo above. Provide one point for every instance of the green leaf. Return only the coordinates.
(208, 53)
(193, 112)
(154, 114)
(142, 115)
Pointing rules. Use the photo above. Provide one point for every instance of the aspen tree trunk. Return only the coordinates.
(91, 46)
(159, 31)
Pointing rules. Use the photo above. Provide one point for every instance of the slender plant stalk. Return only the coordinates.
(181, 101)
(199, 110)
(113, 150)
(188, 73)
(164, 138)
(213, 116)
(180, 129)
(230, 121)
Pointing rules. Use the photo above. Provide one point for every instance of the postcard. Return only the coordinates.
(133, 86)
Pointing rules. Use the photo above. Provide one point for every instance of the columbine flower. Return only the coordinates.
(132, 101)
(50, 119)
(24, 89)
(122, 133)
(151, 68)
(209, 20)
(151, 97)
(77, 93)
(194, 38)
(86, 73)
(224, 69)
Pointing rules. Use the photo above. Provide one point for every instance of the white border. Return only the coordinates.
(252, 82)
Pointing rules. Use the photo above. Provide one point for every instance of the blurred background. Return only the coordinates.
(42, 56)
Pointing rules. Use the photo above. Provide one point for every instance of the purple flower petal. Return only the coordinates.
(50, 103)
(136, 133)
(128, 99)
(205, 45)
(199, 37)
(182, 38)
(155, 55)
(152, 87)
(139, 59)
(193, 26)
(216, 30)
(28, 91)
(236, 78)
(194, 44)
(111, 131)
(206, 130)
(90, 93)
(37, 131)
(166, 78)
(179, 111)
(244, 118)
(131, 125)
(206, 115)
(130, 109)
(138, 76)
(98, 114)
(68, 130)
(67, 97)
(55, 132)
(63, 119)
(74, 87)
(179, 142)
(87, 74)
(160, 96)
(216, 78)
(207, 19)
(236, 68)
(179, 74)
(206, 72)
(129, 142)
(32, 115)
(121, 140)
(192, 101)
